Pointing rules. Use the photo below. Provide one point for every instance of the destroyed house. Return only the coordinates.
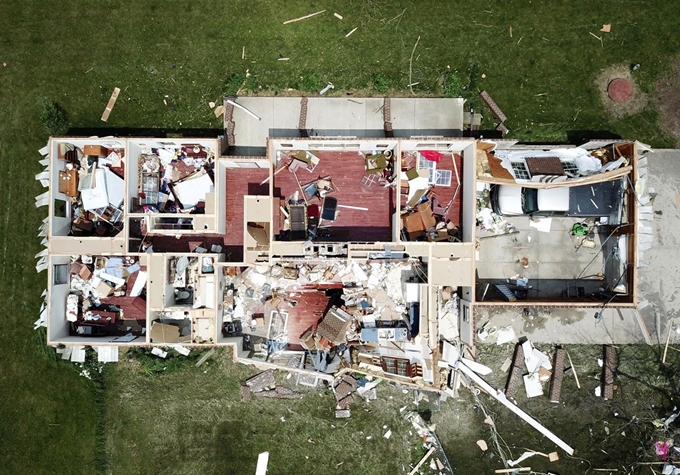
(331, 234)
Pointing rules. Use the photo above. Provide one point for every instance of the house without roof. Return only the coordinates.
(323, 234)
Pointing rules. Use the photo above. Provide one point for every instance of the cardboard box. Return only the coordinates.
(413, 225)
(104, 289)
(426, 215)
(437, 236)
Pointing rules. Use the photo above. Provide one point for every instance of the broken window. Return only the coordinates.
(436, 177)
(520, 170)
(443, 178)
(570, 168)
(59, 209)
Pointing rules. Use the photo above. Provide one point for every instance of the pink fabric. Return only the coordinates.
(661, 449)
(432, 155)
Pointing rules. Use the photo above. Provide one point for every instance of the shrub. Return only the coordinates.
(381, 83)
(236, 82)
(233, 83)
(453, 86)
(53, 118)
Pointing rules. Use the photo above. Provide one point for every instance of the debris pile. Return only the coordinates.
(264, 385)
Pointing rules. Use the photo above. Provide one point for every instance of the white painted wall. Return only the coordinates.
(465, 321)
(469, 193)
(340, 145)
(57, 325)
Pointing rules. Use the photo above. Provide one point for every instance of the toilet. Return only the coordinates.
(182, 294)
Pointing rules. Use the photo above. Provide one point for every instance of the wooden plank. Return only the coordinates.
(422, 461)
(303, 17)
(112, 102)
(573, 370)
(668, 339)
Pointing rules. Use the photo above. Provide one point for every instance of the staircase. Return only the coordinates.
(507, 293)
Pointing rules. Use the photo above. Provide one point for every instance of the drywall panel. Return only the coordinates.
(155, 287)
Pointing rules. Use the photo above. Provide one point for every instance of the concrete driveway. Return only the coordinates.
(659, 275)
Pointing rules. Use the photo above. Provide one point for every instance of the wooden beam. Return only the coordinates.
(573, 370)
(513, 470)
(112, 102)
(422, 461)
(303, 17)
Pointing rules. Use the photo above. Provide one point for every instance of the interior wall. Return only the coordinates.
(221, 196)
(465, 323)
(132, 172)
(57, 325)
(333, 145)
(469, 193)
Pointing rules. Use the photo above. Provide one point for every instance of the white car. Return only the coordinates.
(599, 199)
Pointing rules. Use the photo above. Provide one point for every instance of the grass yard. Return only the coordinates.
(190, 53)
(192, 420)
(615, 434)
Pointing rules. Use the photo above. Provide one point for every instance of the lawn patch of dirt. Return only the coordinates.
(668, 102)
(618, 110)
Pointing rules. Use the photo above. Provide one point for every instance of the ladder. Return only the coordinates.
(507, 293)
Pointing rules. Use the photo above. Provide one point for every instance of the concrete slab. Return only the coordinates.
(341, 116)
(565, 325)
(550, 255)
(659, 278)
(248, 131)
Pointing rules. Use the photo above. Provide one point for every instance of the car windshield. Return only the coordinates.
(529, 200)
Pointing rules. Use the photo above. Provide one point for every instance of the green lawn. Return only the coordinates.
(192, 420)
(75, 53)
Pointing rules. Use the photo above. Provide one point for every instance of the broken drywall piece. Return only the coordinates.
(533, 385)
(262, 463)
(482, 445)
(505, 335)
(541, 224)
(606, 28)
(158, 352)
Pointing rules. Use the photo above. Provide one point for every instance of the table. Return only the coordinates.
(68, 182)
